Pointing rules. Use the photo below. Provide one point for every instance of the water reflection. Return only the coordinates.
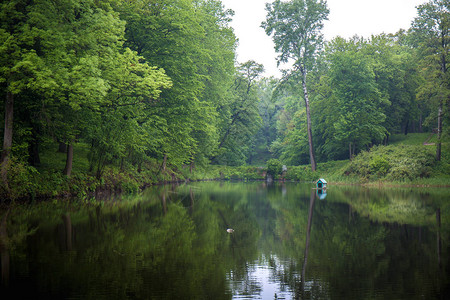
(172, 242)
(264, 280)
(4, 251)
(308, 237)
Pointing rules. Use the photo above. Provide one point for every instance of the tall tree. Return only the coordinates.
(218, 73)
(355, 97)
(82, 41)
(292, 143)
(296, 27)
(268, 110)
(431, 29)
(191, 40)
(243, 120)
(122, 129)
(395, 70)
(18, 63)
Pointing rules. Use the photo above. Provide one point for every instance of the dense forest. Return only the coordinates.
(149, 84)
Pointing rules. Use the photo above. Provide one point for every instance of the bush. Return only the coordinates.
(20, 180)
(379, 166)
(274, 167)
(300, 173)
(396, 163)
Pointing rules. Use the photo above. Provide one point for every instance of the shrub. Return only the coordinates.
(379, 166)
(20, 180)
(398, 163)
(300, 173)
(274, 167)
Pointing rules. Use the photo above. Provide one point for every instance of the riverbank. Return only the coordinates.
(44, 185)
(402, 164)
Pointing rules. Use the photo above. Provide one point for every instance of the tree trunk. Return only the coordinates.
(62, 147)
(444, 43)
(164, 162)
(420, 123)
(439, 132)
(122, 164)
(413, 127)
(406, 127)
(308, 122)
(350, 151)
(68, 168)
(7, 136)
(33, 152)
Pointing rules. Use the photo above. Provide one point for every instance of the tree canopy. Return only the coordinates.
(146, 84)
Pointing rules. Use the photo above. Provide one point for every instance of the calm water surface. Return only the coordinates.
(289, 242)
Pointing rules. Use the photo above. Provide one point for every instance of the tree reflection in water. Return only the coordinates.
(171, 242)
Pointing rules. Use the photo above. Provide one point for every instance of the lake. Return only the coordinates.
(288, 241)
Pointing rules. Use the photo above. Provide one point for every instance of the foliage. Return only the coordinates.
(149, 91)
(300, 173)
(192, 42)
(398, 163)
(274, 167)
(430, 34)
(295, 27)
(243, 119)
(269, 108)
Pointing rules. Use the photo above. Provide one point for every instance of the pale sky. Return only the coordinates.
(346, 18)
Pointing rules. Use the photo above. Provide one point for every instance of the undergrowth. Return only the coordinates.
(405, 161)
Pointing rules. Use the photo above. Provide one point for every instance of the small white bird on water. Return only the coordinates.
(229, 230)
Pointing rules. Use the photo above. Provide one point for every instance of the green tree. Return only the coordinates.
(79, 40)
(396, 77)
(291, 145)
(243, 116)
(296, 27)
(122, 129)
(431, 32)
(355, 99)
(218, 75)
(269, 109)
(19, 62)
(192, 41)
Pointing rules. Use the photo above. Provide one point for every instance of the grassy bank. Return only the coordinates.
(406, 161)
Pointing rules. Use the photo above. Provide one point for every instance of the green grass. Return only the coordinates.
(409, 139)
(405, 161)
(52, 160)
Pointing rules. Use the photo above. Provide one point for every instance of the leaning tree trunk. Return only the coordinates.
(7, 136)
(308, 122)
(69, 160)
(439, 132)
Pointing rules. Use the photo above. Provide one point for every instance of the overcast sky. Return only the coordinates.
(346, 18)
